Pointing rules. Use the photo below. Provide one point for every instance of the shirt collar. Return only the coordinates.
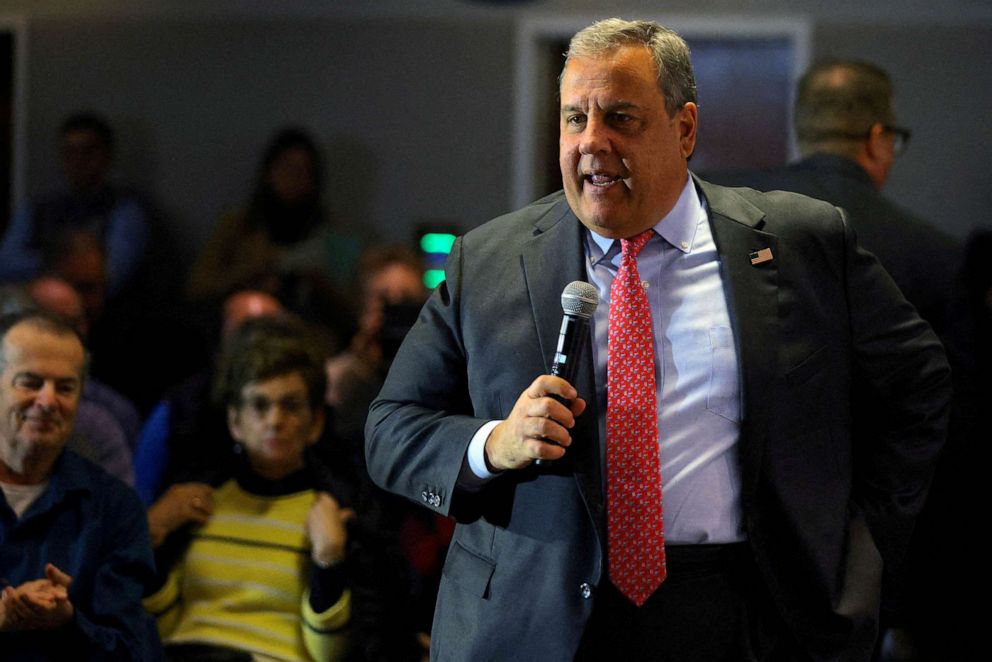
(69, 476)
(678, 227)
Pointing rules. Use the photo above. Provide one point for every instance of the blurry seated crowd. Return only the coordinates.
(182, 469)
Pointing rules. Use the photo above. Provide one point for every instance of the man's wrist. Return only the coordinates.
(478, 457)
(475, 471)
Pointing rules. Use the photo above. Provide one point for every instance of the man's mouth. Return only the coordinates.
(601, 180)
(41, 422)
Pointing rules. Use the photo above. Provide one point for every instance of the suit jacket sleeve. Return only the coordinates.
(900, 400)
(420, 425)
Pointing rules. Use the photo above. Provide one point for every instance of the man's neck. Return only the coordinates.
(872, 170)
(26, 471)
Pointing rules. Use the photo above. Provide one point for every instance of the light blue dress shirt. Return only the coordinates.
(696, 373)
(695, 370)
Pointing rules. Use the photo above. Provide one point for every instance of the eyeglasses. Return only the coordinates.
(260, 405)
(901, 137)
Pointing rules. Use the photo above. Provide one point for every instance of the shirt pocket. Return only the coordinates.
(723, 390)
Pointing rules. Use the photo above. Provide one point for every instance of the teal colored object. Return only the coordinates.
(437, 242)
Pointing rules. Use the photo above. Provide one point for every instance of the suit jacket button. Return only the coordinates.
(585, 590)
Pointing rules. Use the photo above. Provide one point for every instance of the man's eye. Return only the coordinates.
(67, 388)
(258, 405)
(621, 118)
(29, 382)
(575, 119)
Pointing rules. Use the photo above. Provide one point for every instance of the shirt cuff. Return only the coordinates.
(475, 474)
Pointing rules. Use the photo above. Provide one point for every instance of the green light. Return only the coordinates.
(437, 242)
(433, 278)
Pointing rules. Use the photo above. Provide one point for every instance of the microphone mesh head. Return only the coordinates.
(580, 299)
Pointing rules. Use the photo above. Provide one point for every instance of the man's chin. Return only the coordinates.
(604, 225)
(46, 434)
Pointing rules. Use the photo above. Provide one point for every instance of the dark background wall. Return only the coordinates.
(414, 104)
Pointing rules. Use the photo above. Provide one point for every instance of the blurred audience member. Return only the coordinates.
(186, 434)
(60, 297)
(283, 243)
(14, 298)
(106, 423)
(57, 296)
(79, 259)
(849, 140)
(392, 292)
(266, 568)
(74, 551)
(87, 202)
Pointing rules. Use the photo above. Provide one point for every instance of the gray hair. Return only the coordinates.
(41, 320)
(669, 50)
(837, 103)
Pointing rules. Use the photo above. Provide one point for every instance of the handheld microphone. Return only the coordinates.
(578, 303)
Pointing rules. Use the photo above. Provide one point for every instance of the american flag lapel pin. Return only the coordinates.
(761, 256)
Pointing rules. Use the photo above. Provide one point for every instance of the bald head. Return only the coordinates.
(839, 101)
(844, 107)
(248, 304)
(58, 296)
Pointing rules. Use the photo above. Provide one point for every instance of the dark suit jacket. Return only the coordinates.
(527, 556)
(921, 260)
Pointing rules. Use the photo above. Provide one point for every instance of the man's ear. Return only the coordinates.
(688, 119)
(234, 424)
(876, 140)
(877, 154)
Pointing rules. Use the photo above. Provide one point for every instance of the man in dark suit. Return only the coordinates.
(764, 315)
(848, 138)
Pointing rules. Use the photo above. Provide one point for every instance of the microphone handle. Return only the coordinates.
(572, 340)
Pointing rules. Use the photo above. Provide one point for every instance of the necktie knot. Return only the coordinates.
(631, 246)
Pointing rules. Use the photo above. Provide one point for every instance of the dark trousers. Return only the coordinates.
(712, 608)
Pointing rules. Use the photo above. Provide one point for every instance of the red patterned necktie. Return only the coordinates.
(633, 473)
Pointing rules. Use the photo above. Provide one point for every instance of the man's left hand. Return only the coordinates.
(41, 604)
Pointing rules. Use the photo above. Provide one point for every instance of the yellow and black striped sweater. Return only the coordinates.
(243, 583)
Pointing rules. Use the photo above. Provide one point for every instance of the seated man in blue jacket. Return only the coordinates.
(74, 550)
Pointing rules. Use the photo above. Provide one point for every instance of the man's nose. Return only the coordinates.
(595, 137)
(275, 415)
(47, 397)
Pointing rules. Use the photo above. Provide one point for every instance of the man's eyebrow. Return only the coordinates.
(27, 373)
(613, 107)
(622, 105)
(34, 375)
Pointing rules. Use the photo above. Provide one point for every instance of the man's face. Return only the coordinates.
(623, 159)
(291, 175)
(275, 424)
(396, 283)
(40, 385)
(85, 159)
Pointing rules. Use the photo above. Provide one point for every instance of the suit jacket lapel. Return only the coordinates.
(551, 260)
(753, 302)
